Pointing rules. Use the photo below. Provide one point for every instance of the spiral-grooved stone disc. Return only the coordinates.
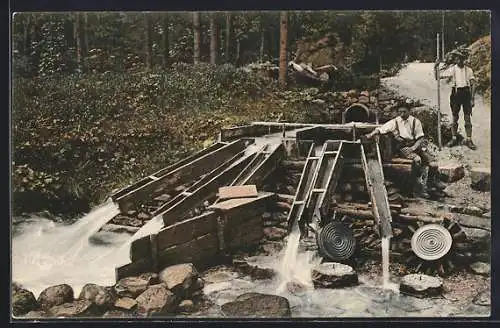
(431, 242)
(336, 241)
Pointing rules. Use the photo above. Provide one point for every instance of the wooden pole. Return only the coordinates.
(438, 96)
(442, 36)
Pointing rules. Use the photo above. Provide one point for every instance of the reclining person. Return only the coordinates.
(412, 144)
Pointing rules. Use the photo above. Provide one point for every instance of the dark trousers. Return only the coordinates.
(461, 98)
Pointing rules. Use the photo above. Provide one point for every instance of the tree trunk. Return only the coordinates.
(148, 41)
(228, 37)
(262, 40)
(197, 37)
(238, 46)
(78, 35)
(166, 43)
(86, 34)
(214, 42)
(26, 36)
(283, 46)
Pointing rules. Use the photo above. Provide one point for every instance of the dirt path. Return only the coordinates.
(417, 81)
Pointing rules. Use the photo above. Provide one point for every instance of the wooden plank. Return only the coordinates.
(230, 192)
(266, 167)
(184, 231)
(179, 211)
(140, 249)
(194, 251)
(181, 175)
(133, 269)
(166, 170)
(240, 202)
(218, 170)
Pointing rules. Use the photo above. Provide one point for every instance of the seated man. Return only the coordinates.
(411, 143)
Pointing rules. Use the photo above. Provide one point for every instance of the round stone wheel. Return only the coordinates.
(336, 241)
(431, 242)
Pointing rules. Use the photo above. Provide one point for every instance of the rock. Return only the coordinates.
(473, 210)
(131, 213)
(333, 275)
(280, 217)
(199, 284)
(452, 172)
(77, 308)
(163, 198)
(421, 285)
(127, 221)
(364, 100)
(35, 315)
(481, 268)
(483, 298)
(261, 273)
(131, 286)
(186, 306)
(23, 301)
(352, 93)
(143, 216)
(103, 297)
(117, 314)
(126, 303)
(481, 179)
(55, 295)
(274, 233)
(180, 278)
(257, 305)
(487, 215)
(151, 277)
(156, 300)
(16, 286)
(295, 287)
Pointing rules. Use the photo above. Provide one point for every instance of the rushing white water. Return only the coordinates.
(45, 253)
(386, 283)
(295, 266)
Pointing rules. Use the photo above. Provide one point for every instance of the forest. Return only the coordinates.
(100, 99)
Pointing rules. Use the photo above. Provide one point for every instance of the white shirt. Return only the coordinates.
(409, 129)
(460, 77)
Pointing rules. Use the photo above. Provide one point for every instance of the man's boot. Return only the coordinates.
(454, 132)
(420, 186)
(434, 180)
(468, 130)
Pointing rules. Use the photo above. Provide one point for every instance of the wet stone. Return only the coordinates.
(101, 296)
(273, 233)
(186, 306)
(156, 300)
(421, 285)
(77, 308)
(126, 303)
(257, 305)
(23, 301)
(55, 295)
(481, 268)
(143, 216)
(473, 210)
(333, 275)
(180, 278)
(131, 286)
(117, 314)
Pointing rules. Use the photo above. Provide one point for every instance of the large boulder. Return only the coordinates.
(180, 278)
(77, 308)
(55, 295)
(257, 305)
(421, 285)
(451, 172)
(333, 275)
(481, 179)
(131, 286)
(23, 301)
(101, 296)
(156, 300)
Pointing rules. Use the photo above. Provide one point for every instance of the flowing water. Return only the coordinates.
(45, 253)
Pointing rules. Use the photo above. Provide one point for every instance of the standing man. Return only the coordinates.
(462, 96)
(411, 143)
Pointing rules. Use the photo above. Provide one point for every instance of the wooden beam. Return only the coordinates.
(178, 211)
(181, 175)
(133, 268)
